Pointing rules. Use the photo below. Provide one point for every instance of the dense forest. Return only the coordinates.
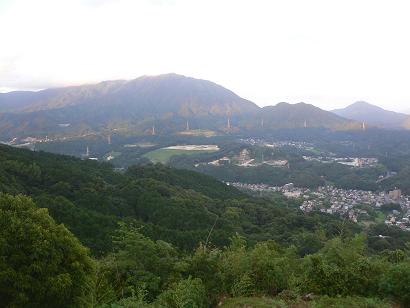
(76, 233)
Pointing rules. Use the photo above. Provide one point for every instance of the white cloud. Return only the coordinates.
(329, 53)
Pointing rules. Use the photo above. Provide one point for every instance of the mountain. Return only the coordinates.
(169, 102)
(374, 115)
(169, 93)
(285, 115)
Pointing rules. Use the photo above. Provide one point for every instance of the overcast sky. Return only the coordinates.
(325, 52)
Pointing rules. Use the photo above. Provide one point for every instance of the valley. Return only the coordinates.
(344, 177)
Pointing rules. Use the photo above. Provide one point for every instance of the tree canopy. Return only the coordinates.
(41, 263)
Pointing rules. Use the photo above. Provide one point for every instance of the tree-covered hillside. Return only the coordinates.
(179, 206)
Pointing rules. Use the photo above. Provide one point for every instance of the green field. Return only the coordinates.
(163, 155)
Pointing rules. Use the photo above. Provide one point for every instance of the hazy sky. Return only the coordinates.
(326, 52)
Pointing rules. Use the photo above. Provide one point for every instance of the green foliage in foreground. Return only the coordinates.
(41, 263)
(342, 273)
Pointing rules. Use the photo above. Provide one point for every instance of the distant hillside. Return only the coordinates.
(171, 103)
(286, 115)
(20, 100)
(374, 115)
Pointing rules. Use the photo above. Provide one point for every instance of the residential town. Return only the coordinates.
(357, 205)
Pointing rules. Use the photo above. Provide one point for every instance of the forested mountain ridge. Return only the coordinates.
(169, 93)
(167, 101)
(285, 115)
(180, 206)
(85, 194)
(170, 103)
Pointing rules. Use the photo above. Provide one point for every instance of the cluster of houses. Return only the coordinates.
(28, 142)
(348, 203)
(278, 144)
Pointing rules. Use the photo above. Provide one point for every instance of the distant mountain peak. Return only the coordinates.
(301, 105)
(373, 115)
(293, 104)
(162, 76)
(303, 115)
(364, 105)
